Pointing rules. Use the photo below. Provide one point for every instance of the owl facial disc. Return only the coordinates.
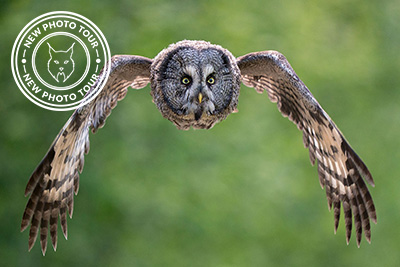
(195, 84)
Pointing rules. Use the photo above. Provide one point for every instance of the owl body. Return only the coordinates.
(195, 84)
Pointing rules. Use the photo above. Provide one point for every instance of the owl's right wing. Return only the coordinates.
(340, 169)
(54, 180)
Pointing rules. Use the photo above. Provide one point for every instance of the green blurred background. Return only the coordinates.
(241, 194)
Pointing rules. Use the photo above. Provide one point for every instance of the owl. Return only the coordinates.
(196, 84)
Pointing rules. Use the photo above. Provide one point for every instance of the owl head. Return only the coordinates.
(195, 84)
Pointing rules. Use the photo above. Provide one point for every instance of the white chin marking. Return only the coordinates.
(210, 107)
(190, 107)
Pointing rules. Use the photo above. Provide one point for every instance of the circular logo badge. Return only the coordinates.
(56, 60)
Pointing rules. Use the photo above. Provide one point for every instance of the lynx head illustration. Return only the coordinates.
(61, 65)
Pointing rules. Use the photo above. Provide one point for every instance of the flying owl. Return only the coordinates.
(196, 84)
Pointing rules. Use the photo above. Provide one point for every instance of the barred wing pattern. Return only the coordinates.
(52, 184)
(340, 169)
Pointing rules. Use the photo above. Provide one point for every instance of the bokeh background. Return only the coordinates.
(241, 194)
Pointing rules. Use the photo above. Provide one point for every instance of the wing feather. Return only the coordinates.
(56, 179)
(340, 170)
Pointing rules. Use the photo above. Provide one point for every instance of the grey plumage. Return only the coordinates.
(196, 84)
(199, 61)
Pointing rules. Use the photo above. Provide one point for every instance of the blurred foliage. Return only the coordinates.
(240, 194)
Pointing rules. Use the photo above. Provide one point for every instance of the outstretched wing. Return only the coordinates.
(340, 169)
(52, 184)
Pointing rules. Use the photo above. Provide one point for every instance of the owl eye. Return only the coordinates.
(210, 80)
(56, 61)
(186, 80)
(66, 61)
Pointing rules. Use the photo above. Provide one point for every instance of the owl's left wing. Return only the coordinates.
(340, 169)
(56, 178)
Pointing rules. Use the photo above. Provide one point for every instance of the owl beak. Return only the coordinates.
(200, 97)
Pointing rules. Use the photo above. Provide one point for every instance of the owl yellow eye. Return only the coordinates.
(211, 80)
(186, 80)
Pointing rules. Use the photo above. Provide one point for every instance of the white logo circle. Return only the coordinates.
(56, 60)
